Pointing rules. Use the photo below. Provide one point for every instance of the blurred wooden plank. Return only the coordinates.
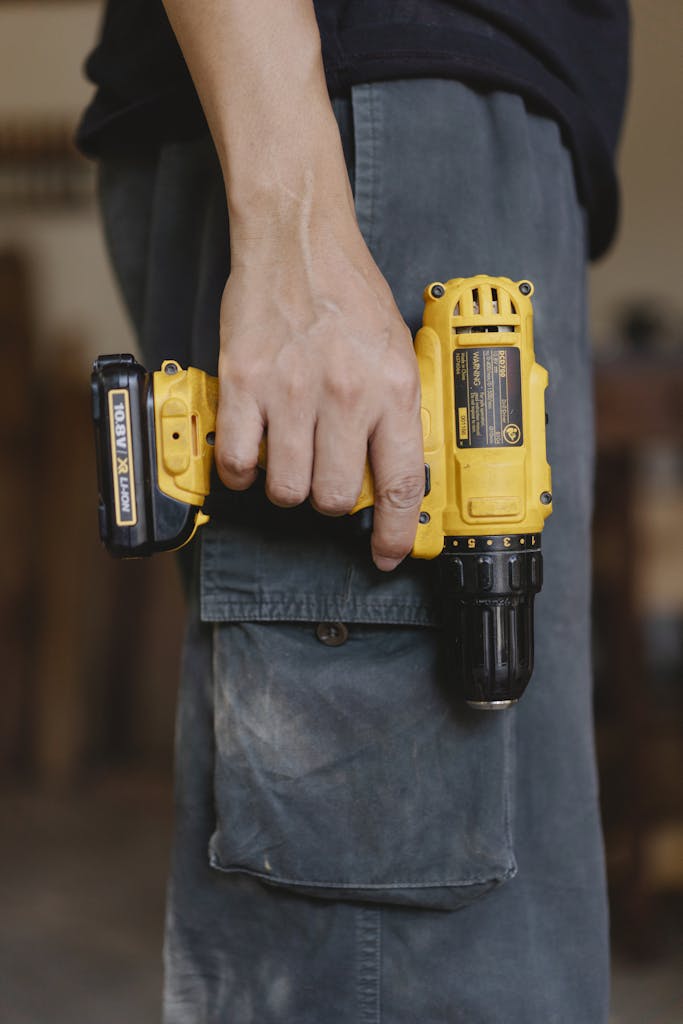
(638, 405)
(20, 488)
(638, 399)
(66, 542)
(40, 165)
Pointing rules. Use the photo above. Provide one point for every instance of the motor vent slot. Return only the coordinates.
(489, 303)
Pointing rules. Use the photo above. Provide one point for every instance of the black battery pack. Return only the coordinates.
(135, 517)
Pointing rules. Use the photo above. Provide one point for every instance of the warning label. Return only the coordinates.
(488, 397)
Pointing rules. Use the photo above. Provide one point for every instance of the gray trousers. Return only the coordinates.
(352, 844)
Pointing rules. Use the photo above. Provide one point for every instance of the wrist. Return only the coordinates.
(297, 153)
(304, 200)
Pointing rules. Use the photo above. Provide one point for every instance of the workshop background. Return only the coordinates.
(88, 647)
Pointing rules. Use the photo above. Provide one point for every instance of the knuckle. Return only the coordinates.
(239, 375)
(402, 493)
(330, 502)
(403, 378)
(286, 492)
(345, 389)
(296, 389)
(232, 464)
(403, 382)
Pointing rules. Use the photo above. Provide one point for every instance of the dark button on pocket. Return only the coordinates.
(332, 633)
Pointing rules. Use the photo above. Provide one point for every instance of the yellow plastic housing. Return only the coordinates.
(185, 404)
(502, 488)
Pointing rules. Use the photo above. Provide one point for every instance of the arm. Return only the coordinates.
(312, 344)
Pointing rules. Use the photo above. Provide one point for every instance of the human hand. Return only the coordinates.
(314, 349)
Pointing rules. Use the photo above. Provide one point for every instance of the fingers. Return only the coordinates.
(326, 460)
(290, 458)
(239, 429)
(397, 462)
(341, 446)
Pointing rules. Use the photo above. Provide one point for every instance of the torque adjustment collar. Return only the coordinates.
(487, 593)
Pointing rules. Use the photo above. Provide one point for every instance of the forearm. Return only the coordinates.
(258, 71)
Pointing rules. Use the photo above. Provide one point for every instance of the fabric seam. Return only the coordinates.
(368, 939)
(509, 872)
(364, 135)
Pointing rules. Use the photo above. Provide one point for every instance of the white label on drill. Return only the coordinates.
(488, 397)
(122, 458)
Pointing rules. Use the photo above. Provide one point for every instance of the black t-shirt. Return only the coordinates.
(567, 58)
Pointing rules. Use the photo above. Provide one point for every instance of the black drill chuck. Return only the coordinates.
(487, 593)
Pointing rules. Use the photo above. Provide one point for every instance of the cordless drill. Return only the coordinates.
(487, 479)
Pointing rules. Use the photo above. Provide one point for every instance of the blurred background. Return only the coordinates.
(89, 647)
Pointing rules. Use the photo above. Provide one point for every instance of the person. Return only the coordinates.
(352, 843)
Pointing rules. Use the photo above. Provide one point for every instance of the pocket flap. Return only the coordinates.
(251, 574)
